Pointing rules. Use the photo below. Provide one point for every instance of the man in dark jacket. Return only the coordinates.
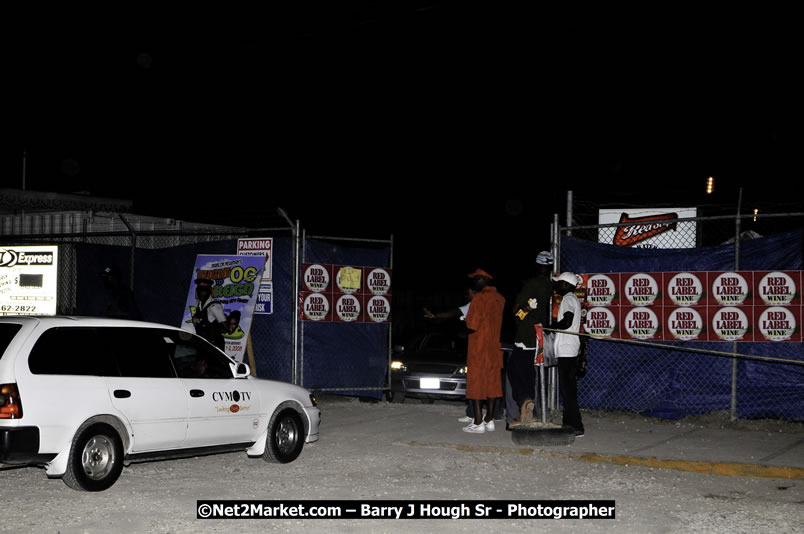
(531, 308)
(118, 298)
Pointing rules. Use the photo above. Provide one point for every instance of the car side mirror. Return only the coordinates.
(242, 370)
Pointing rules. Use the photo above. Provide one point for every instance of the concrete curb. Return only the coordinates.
(691, 466)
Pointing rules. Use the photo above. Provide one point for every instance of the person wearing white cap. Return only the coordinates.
(531, 308)
(567, 347)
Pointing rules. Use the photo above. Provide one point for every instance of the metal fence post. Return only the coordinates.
(297, 352)
(390, 329)
(133, 249)
(733, 408)
(569, 212)
(555, 247)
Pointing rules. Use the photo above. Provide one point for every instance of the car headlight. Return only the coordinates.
(398, 366)
(462, 370)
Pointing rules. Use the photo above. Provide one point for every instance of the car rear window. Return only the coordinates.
(71, 351)
(7, 333)
(102, 351)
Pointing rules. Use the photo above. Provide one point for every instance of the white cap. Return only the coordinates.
(567, 277)
(544, 258)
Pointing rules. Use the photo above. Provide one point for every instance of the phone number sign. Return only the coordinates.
(28, 280)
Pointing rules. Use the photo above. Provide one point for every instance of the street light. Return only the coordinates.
(710, 185)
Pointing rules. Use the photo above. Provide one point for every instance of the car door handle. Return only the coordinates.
(196, 393)
(122, 393)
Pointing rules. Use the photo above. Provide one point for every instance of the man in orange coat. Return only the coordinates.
(484, 358)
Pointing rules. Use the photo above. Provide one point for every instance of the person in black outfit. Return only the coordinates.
(119, 298)
(209, 319)
(531, 308)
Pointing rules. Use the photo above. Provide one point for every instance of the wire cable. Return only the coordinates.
(655, 345)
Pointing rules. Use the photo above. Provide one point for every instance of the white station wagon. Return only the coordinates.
(84, 396)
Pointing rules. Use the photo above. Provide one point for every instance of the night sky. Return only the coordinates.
(458, 131)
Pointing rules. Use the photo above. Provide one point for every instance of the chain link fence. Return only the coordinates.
(680, 378)
(155, 262)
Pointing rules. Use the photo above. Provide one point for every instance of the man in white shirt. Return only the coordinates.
(567, 348)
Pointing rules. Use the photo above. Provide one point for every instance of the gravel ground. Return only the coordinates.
(365, 453)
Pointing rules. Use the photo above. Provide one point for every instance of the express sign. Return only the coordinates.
(28, 280)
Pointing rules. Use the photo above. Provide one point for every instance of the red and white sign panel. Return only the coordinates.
(317, 278)
(694, 306)
(777, 323)
(345, 294)
(685, 324)
(778, 288)
(684, 289)
(731, 288)
(603, 290)
(642, 323)
(603, 322)
(640, 289)
(378, 281)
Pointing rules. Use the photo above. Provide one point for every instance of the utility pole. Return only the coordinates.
(569, 212)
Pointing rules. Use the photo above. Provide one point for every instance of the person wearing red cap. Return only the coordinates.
(484, 359)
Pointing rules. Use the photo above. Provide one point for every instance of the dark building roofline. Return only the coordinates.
(14, 200)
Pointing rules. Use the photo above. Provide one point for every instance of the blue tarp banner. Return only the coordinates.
(335, 355)
(345, 355)
(672, 383)
(777, 252)
(163, 279)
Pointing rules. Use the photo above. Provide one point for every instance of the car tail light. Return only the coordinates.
(10, 405)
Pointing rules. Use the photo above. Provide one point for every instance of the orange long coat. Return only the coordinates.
(484, 354)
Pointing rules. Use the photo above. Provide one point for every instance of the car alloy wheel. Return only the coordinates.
(98, 457)
(285, 437)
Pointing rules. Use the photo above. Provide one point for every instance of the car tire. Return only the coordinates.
(285, 438)
(96, 458)
(396, 397)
